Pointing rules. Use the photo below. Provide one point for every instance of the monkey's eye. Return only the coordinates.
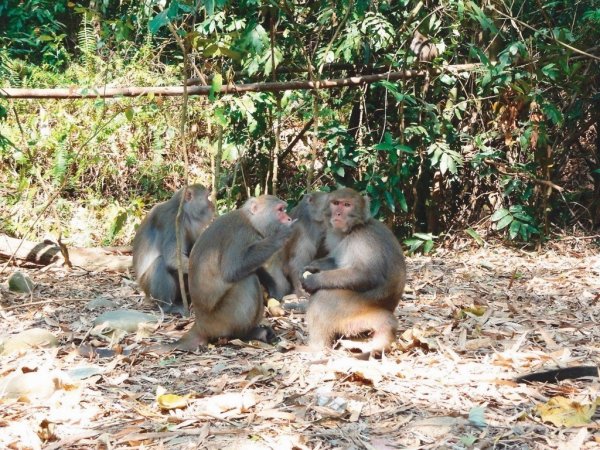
(335, 203)
(347, 205)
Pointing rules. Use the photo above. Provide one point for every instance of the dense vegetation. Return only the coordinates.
(506, 145)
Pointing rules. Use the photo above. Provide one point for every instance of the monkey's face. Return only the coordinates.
(281, 215)
(342, 214)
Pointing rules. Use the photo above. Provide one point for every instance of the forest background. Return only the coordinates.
(497, 135)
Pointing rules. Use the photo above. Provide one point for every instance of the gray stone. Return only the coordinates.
(19, 282)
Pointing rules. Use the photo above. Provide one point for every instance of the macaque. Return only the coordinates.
(155, 259)
(225, 265)
(356, 288)
(287, 265)
(423, 47)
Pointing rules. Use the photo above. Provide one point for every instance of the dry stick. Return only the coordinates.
(182, 131)
(317, 84)
(502, 169)
(277, 119)
(42, 302)
(173, 91)
(216, 162)
(292, 144)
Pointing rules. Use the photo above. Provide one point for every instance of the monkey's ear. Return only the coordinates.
(252, 205)
(187, 196)
(368, 214)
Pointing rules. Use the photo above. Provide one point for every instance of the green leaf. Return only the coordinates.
(553, 113)
(158, 21)
(513, 230)
(129, 114)
(504, 222)
(210, 7)
(389, 199)
(215, 86)
(551, 71)
(477, 416)
(427, 247)
(471, 232)
(499, 214)
(402, 201)
(424, 236)
(117, 225)
(413, 244)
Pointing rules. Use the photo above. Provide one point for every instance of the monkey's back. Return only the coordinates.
(208, 277)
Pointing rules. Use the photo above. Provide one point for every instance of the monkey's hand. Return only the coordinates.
(282, 234)
(310, 268)
(310, 284)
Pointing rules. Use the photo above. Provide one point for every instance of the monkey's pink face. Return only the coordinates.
(341, 210)
(282, 216)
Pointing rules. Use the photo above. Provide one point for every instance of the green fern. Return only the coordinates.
(61, 162)
(87, 40)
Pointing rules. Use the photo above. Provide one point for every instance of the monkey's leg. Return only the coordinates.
(261, 333)
(194, 338)
(159, 284)
(320, 320)
(237, 314)
(381, 322)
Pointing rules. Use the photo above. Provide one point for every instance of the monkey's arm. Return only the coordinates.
(349, 278)
(319, 265)
(267, 281)
(243, 260)
(173, 263)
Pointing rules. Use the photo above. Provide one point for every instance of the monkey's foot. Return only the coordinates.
(191, 340)
(175, 308)
(262, 333)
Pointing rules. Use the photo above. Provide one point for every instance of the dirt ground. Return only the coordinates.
(470, 321)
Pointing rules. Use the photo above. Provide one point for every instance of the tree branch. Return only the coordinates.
(171, 91)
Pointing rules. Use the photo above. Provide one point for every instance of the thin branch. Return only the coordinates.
(502, 170)
(292, 144)
(182, 130)
(559, 42)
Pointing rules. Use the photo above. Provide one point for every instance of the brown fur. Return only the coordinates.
(359, 284)
(224, 284)
(304, 245)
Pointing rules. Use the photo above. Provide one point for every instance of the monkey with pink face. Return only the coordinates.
(357, 286)
(226, 269)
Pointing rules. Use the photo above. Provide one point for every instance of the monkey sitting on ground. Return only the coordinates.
(225, 265)
(287, 265)
(356, 288)
(155, 259)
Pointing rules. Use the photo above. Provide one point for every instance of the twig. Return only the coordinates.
(43, 302)
(559, 42)
(182, 131)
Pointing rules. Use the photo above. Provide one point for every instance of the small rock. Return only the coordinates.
(32, 385)
(124, 319)
(19, 282)
(100, 302)
(32, 338)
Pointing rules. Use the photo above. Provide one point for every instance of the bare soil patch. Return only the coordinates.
(471, 321)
